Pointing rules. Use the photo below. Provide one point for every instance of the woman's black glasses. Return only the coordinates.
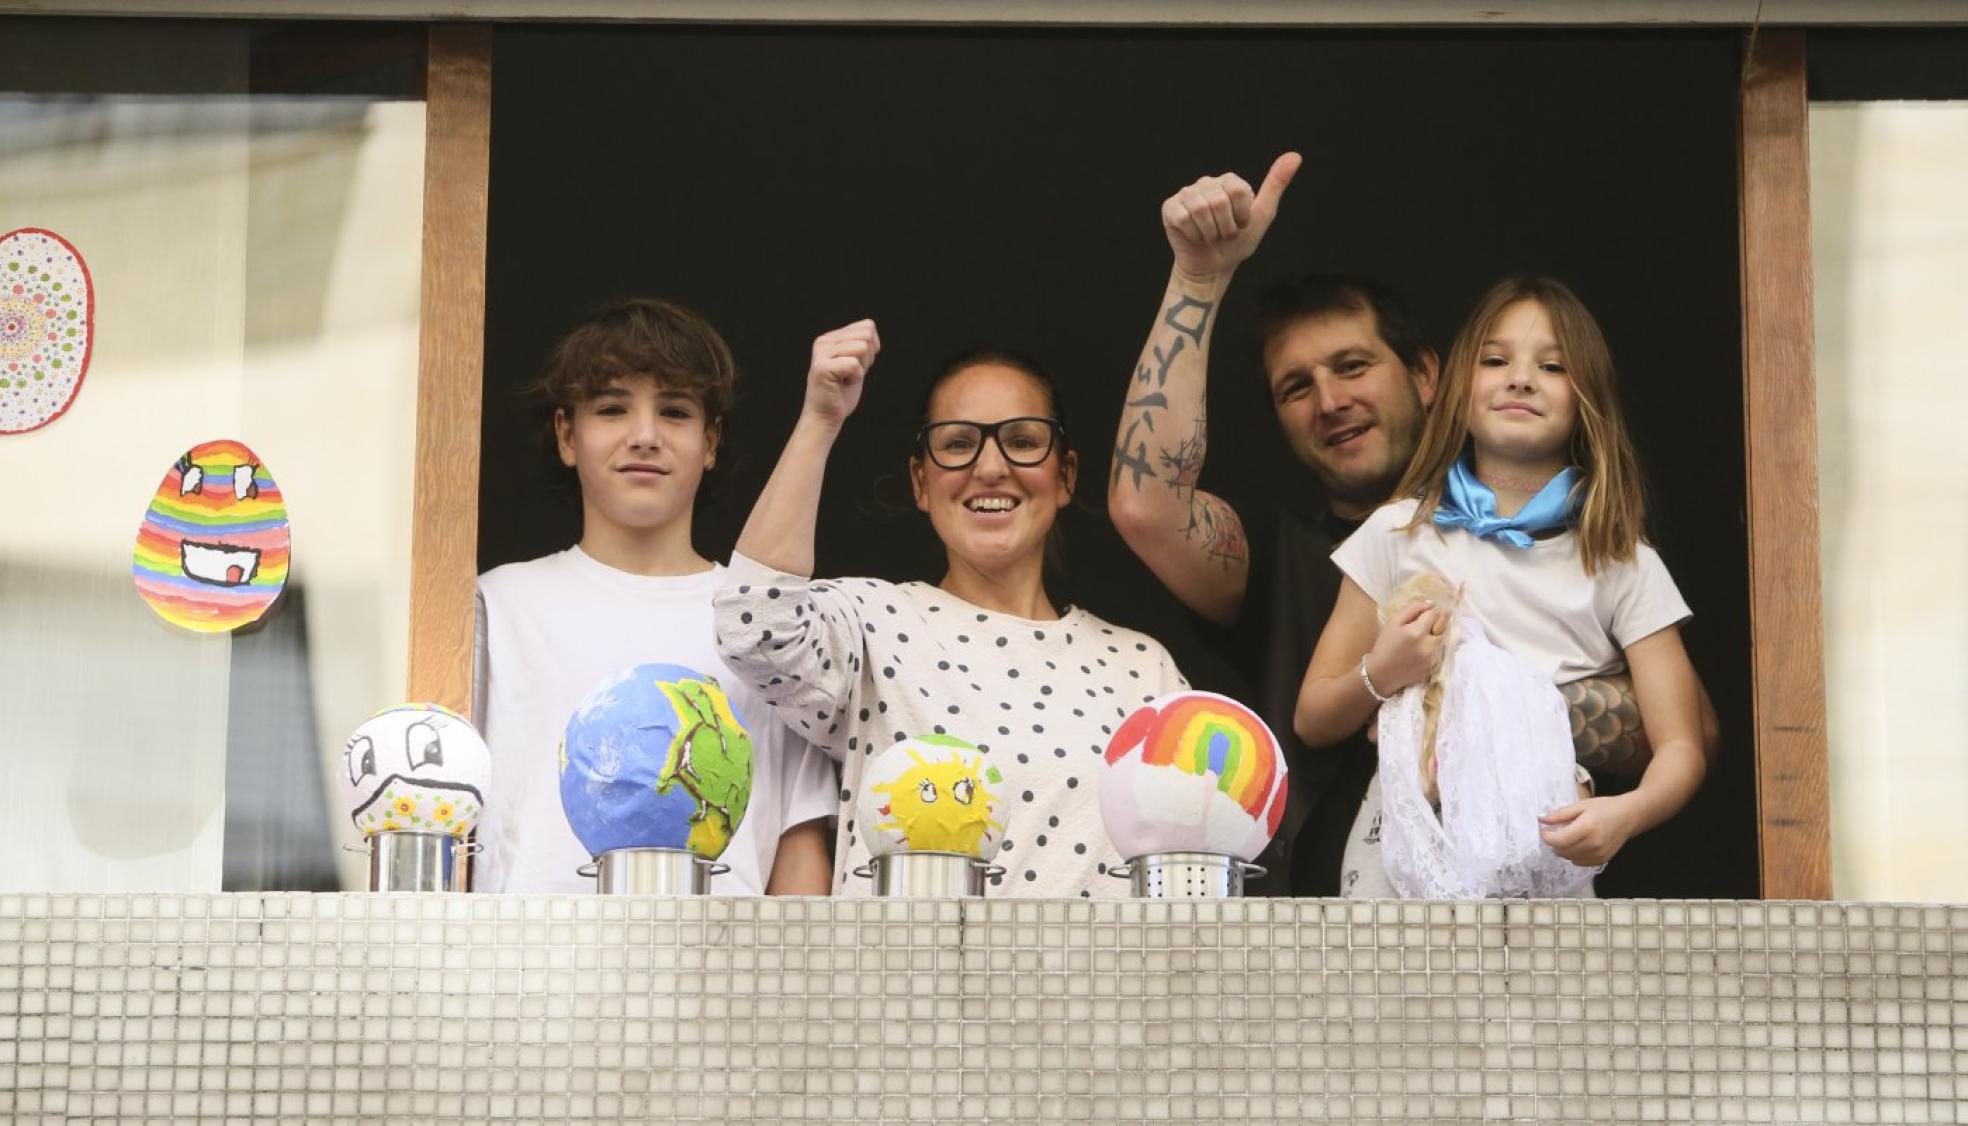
(1022, 441)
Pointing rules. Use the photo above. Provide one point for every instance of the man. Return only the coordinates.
(1351, 382)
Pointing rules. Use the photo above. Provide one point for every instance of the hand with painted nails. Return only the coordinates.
(1217, 222)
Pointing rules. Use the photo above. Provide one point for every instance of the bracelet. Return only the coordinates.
(1368, 681)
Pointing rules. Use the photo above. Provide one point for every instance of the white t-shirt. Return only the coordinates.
(548, 631)
(1536, 602)
(857, 665)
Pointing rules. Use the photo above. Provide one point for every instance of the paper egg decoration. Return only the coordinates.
(212, 552)
(933, 793)
(418, 768)
(47, 327)
(655, 757)
(1192, 772)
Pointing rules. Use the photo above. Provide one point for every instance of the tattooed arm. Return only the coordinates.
(1192, 540)
(1607, 733)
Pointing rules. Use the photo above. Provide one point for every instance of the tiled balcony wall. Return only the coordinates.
(360, 1008)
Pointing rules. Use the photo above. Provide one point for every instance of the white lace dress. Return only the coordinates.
(1503, 758)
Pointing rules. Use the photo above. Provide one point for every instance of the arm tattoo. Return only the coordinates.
(1606, 729)
(1218, 526)
(1185, 462)
(1189, 319)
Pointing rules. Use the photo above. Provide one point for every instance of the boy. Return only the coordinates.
(637, 397)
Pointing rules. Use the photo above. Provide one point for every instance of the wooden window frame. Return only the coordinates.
(450, 364)
(1780, 438)
(1779, 418)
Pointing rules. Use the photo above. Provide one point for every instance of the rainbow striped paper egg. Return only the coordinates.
(1193, 772)
(211, 555)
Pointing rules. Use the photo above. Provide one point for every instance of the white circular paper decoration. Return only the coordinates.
(1192, 772)
(933, 793)
(655, 757)
(416, 768)
(47, 327)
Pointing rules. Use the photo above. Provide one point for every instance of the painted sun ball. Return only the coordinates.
(212, 552)
(933, 793)
(418, 768)
(656, 757)
(1193, 772)
(47, 327)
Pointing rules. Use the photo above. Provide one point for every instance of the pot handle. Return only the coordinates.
(591, 869)
(865, 871)
(1121, 871)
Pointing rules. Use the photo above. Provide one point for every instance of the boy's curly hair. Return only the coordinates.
(641, 336)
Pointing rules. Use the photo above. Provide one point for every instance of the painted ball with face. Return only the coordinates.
(47, 327)
(1192, 772)
(933, 793)
(211, 555)
(418, 768)
(655, 757)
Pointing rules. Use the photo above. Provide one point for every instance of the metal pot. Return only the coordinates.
(1186, 875)
(407, 861)
(928, 875)
(652, 871)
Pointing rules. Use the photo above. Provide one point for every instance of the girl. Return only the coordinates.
(856, 665)
(1526, 490)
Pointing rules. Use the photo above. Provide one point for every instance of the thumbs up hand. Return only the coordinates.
(1218, 221)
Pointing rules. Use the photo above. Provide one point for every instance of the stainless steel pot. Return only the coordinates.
(652, 871)
(928, 875)
(1186, 875)
(407, 861)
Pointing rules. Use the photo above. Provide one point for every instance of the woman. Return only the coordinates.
(856, 665)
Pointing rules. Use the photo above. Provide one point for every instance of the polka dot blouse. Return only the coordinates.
(857, 665)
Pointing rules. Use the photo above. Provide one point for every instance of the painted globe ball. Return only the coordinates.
(655, 757)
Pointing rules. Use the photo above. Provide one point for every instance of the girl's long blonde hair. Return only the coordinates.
(1612, 510)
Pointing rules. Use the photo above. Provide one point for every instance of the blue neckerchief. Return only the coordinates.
(1470, 504)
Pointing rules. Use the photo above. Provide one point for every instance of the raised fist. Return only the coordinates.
(841, 360)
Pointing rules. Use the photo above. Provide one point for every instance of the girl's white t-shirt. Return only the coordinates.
(1536, 602)
(551, 629)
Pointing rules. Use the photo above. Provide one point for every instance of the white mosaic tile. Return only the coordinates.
(470, 1009)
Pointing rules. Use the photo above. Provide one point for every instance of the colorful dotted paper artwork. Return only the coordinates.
(933, 793)
(47, 325)
(1193, 772)
(656, 758)
(212, 552)
(415, 768)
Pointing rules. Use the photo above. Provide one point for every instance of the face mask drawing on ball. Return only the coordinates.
(416, 768)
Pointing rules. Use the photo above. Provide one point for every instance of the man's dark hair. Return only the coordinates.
(1287, 301)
